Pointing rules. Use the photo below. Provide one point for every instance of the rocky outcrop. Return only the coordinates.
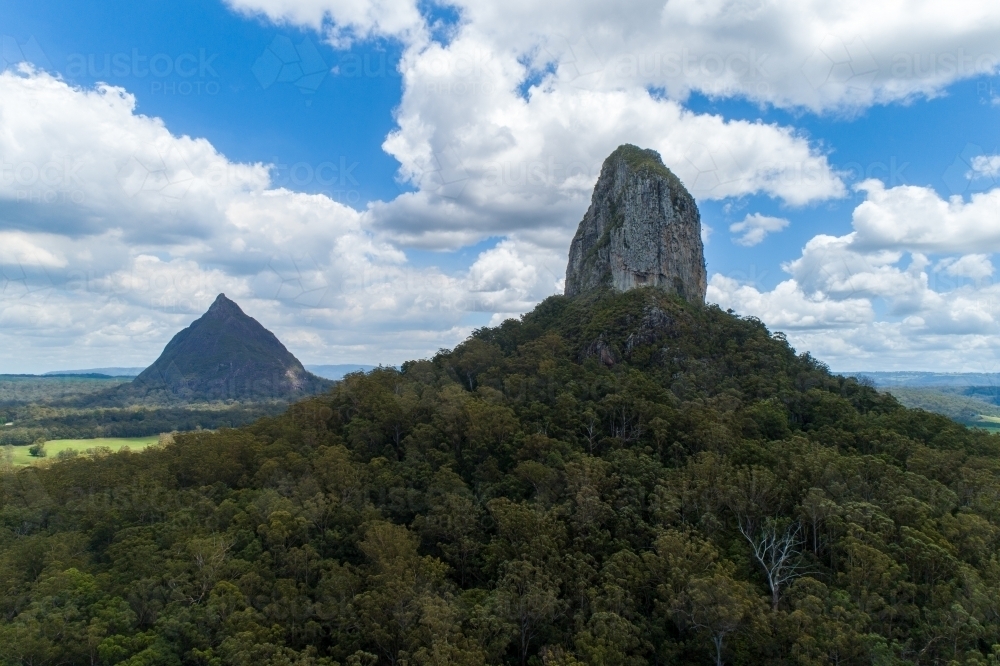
(225, 355)
(642, 229)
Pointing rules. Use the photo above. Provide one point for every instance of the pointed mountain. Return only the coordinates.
(642, 229)
(225, 355)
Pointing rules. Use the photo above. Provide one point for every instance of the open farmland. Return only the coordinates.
(21, 457)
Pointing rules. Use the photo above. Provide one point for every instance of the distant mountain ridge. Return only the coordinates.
(884, 379)
(108, 372)
(225, 355)
(326, 371)
(338, 371)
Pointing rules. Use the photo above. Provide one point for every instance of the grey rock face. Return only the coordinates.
(642, 229)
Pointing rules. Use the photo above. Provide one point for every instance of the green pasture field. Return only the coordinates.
(52, 448)
(991, 423)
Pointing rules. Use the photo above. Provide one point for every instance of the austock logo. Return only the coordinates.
(13, 53)
(54, 181)
(972, 170)
(298, 64)
(191, 73)
(151, 171)
(837, 63)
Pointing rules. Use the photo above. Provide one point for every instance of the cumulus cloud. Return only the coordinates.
(755, 228)
(985, 166)
(488, 158)
(918, 218)
(503, 130)
(877, 291)
(25, 249)
(973, 266)
(115, 233)
(796, 53)
(344, 21)
(787, 306)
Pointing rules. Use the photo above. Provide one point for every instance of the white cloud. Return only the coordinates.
(344, 20)
(488, 160)
(502, 127)
(798, 53)
(873, 298)
(973, 266)
(917, 218)
(25, 249)
(165, 223)
(985, 166)
(80, 162)
(787, 307)
(755, 227)
(502, 131)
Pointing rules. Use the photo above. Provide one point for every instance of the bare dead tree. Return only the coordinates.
(778, 553)
(591, 430)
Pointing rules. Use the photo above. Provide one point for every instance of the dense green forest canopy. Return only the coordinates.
(27, 389)
(615, 479)
(89, 406)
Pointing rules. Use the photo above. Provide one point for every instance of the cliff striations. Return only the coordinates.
(642, 229)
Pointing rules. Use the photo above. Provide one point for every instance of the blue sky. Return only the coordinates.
(218, 96)
(373, 203)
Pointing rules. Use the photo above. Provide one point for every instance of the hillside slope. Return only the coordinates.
(616, 479)
(225, 355)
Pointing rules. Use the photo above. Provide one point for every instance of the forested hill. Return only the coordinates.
(614, 480)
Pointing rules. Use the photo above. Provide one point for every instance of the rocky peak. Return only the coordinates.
(225, 355)
(224, 307)
(642, 229)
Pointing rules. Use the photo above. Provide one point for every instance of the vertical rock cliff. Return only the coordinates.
(642, 229)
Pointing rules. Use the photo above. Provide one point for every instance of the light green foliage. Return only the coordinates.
(67, 448)
(518, 501)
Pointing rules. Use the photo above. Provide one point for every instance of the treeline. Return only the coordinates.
(620, 480)
(34, 422)
(85, 407)
(18, 390)
(963, 404)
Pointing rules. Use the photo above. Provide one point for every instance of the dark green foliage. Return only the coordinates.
(48, 421)
(27, 389)
(644, 159)
(615, 479)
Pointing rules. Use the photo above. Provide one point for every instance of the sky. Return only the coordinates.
(374, 179)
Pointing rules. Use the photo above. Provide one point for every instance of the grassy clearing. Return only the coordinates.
(989, 427)
(54, 447)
